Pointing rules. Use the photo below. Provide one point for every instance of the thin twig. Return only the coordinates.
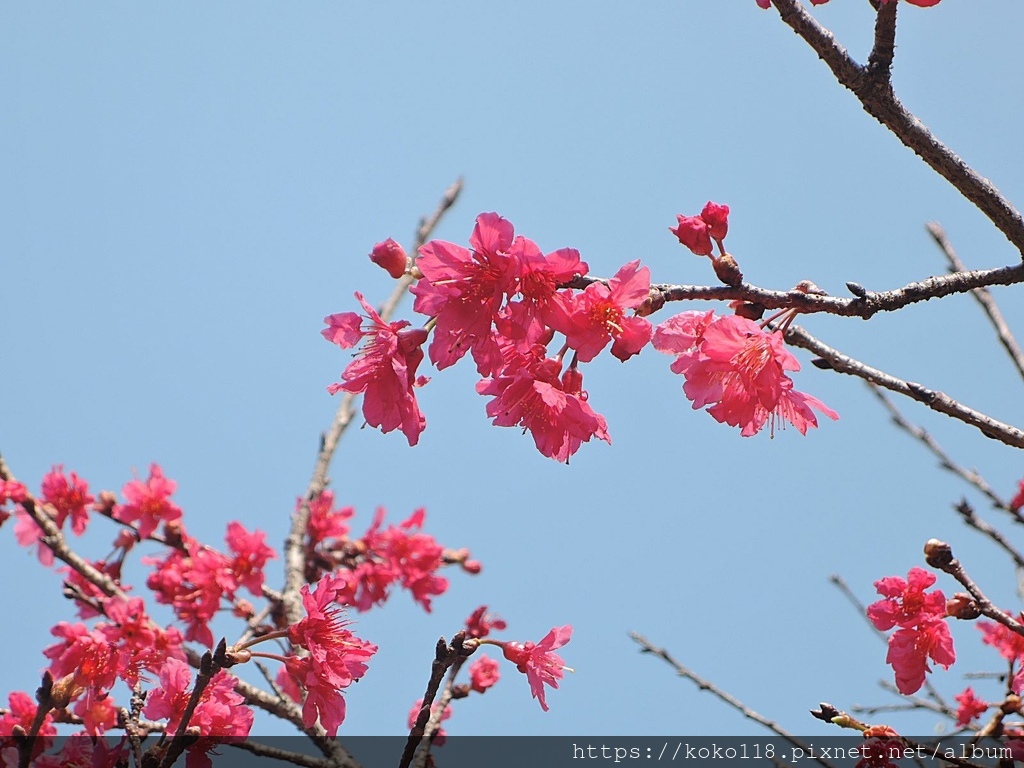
(293, 550)
(879, 101)
(732, 701)
(285, 755)
(966, 511)
(983, 296)
(968, 475)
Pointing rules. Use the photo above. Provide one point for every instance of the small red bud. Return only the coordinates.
(390, 256)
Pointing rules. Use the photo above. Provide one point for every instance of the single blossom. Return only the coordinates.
(480, 623)
(971, 707)
(483, 673)
(539, 661)
(148, 503)
(905, 601)
(69, 496)
(597, 315)
(911, 648)
(384, 371)
(464, 289)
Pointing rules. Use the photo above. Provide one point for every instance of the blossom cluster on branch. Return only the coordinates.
(504, 301)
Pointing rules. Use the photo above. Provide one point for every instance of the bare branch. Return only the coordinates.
(879, 101)
(864, 305)
(968, 475)
(732, 701)
(938, 554)
(937, 401)
(984, 297)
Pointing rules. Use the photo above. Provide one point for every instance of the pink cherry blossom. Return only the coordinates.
(526, 321)
(69, 496)
(739, 370)
(910, 650)
(539, 662)
(597, 315)
(480, 623)
(971, 707)
(483, 673)
(530, 393)
(905, 601)
(384, 371)
(148, 503)
(250, 555)
(464, 290)
(693, 232)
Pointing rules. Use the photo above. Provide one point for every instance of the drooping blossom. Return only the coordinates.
(196, 579)
(384, 371)
(21, 711)
(905, 601)
(531, 392)
(597, 315)
(923, 634)
(148, 503)
(911, 648)
(390, 256)
(464, 289)
(483, 673)
(1009, 643)
(739, 370)
(539, 661)
(971, 707)
(336, 656)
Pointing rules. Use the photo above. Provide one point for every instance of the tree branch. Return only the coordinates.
(879, 101)
(937, 401)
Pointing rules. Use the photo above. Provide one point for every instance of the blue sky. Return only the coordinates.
(190, 189)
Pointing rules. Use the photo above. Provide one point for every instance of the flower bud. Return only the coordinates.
(962, 606)
(692, 232)
(938, 554)
(717, 218)
(390, 256)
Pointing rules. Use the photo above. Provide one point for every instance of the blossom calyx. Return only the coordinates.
(727, 270)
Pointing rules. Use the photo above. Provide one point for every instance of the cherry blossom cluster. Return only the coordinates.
(922, 632)
(123, 644)
(504, 302)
